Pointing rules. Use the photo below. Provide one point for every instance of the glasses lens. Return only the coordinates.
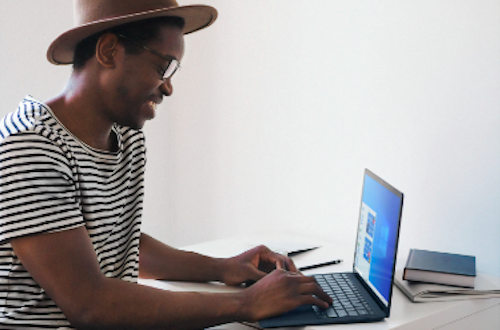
(172, 67)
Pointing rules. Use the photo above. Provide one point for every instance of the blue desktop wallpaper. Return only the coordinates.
(387, 207)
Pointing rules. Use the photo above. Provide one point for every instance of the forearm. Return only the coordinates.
(160, 261)
(123, 305)
(65, 265)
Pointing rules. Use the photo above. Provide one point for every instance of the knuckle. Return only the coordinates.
(261, 249)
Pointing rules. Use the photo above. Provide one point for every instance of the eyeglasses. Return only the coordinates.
(172, 66)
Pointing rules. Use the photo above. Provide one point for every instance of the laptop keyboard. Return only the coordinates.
(347, 300)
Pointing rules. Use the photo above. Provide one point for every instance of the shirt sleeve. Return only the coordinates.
(38, 187)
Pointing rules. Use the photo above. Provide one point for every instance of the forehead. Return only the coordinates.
(170, 41)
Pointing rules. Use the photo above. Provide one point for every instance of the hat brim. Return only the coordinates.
(61, 51)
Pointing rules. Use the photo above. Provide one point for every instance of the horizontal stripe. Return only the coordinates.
(49, 182)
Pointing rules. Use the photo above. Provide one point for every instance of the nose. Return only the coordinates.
(166, 88)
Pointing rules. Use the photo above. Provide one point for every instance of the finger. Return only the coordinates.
(286, 262)
(305, 279)
(290, 265)
(281, 262)
(270, 256)
(324, 296)
(315, 289)
(310, 288)
(312, 300)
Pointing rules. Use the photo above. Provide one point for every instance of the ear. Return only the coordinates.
(106, 48)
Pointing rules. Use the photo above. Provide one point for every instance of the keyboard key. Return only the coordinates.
(342, 313)
(347, 300)
(331, 312)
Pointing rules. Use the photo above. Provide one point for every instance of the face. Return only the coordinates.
(138, 86)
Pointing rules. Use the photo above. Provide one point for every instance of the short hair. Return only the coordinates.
(141, 31)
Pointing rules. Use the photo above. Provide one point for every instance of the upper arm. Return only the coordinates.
(38, 189)
(65, 265)
(41, 217)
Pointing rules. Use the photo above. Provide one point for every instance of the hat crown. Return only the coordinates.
(86, 11)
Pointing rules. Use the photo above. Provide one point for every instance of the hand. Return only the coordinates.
(253, 265)
(280, 292)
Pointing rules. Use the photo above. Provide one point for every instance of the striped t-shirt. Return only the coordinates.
(51, 181)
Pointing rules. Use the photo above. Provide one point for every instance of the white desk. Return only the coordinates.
(405, 315)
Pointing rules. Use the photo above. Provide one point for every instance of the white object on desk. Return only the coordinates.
(423, 292)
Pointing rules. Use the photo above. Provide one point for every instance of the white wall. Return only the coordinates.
(281, 104)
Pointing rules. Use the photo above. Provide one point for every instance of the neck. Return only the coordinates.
(78, 108)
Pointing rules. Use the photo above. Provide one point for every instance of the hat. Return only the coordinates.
(93, 16)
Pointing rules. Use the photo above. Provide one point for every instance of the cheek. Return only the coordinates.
(134, 91)
(135, 82)
(122, 91)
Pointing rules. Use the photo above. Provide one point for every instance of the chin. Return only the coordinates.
(132, 125)
(137, 127)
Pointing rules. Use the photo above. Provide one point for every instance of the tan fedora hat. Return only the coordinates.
(93, 16)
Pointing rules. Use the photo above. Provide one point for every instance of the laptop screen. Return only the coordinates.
(377, 236)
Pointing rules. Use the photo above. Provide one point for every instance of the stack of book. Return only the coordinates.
(438, 276)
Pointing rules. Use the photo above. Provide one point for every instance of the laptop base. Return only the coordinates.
(312, 315)
(304, 315)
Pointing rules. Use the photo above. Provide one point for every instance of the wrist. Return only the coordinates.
(220, 269)
(244, 307)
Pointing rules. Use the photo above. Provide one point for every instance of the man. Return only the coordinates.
(72, 186)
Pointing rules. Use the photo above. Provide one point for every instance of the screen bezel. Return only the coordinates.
(400, 195)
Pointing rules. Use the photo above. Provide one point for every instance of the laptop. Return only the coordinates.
(363, 295)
